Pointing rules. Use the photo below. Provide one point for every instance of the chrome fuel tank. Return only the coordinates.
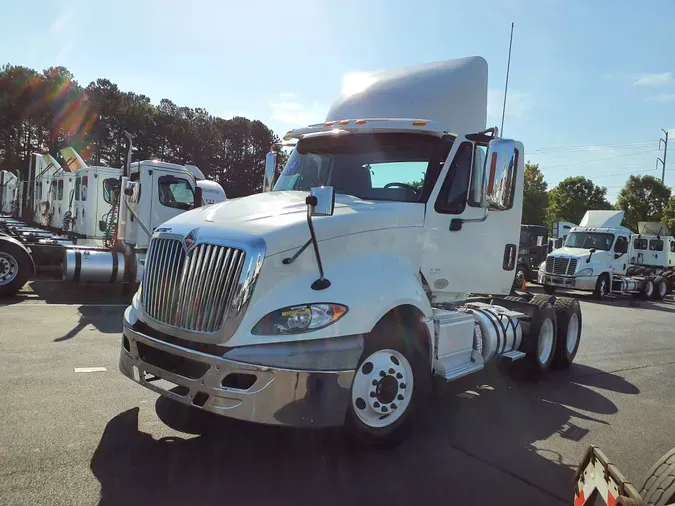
(92, 265)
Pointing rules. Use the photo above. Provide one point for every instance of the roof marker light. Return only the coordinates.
(419, 123)
(360, 122)
(329, 123)
(343, 122)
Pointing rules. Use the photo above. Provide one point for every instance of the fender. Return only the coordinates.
(20, 245)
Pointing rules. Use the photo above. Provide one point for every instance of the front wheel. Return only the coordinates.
(601, 287)
(392, 383)
(520, 278)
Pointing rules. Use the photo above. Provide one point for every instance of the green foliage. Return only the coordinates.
(668, 216)
(535, 197)
(643, 198)
(573, 196)
(43, 112)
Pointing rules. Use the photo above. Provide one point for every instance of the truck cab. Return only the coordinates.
(592, 255)
(532, 251)
(334, 296)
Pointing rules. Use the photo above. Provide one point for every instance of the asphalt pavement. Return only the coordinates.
(73, 430)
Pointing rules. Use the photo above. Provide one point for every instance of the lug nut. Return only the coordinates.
(373, 394)
(384, 409)
(374, 383)
(393, 406)
(391, 371)
(383, 374)
(399, 375)
(400, 397)
(376, 404)
(402, 385)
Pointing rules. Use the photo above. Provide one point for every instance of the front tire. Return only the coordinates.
(601, 287)
(391, 385)
(659, 487)
(549, 289)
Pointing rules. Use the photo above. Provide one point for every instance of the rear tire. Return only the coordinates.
(568, 315)
(659, 487)
(15, 269)
(383, 405)
(542, 345)
(648, 271)
(660, 287)
(647, 289)
(550, 289)
(601, 287)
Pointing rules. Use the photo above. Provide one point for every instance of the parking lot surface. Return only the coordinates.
(74, 431)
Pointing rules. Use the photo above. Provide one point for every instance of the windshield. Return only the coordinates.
(368, 166)
(588, 240)
(176, 192)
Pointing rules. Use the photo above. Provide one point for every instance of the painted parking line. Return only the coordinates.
(90, 369)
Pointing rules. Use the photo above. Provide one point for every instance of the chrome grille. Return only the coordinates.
(561, 266)
(195, 291)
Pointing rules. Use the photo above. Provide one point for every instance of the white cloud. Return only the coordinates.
(663, 97)
(289, 110)
(653, 79)
(517, 104)
(598, 149)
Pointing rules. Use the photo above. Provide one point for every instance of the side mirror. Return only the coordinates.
(322, 201)
(500, 167)
(198, 196)
(270, 171)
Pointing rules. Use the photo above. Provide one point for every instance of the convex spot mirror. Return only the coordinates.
(322, 201)
(500, 174)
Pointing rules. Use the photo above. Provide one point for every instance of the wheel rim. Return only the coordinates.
(649, 289)
(572, 333)
(382, 388)
(9, 268)
(545, 341)
(662, 289)
(520, 277)
(603, 288)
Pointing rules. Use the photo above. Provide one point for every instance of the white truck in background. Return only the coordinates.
(115, 213)
(596, 257)
(559, 231)
(334, 297)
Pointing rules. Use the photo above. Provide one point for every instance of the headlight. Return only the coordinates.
(585, 272)
(299, 319)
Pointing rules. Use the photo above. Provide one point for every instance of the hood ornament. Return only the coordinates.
(189, 241)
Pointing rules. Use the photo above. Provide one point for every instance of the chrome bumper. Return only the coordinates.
(277, 396)
(570, 282)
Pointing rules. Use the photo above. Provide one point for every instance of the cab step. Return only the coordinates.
(460, 370)
(513, 355)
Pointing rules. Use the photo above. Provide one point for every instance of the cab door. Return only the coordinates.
(471, 244)
(618, 261)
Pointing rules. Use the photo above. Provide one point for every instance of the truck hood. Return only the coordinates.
(581, 254)
(280, 218)
(571, 252)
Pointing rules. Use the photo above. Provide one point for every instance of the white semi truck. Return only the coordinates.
(597, 257)
(336, 295)
(112, 228)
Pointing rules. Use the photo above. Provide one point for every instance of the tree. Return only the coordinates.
(668, 216)
(535, 197)
(572, 197)
(643, 198)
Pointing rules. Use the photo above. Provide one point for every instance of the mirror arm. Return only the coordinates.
(460, 221)
(290, 260)
(321, 283)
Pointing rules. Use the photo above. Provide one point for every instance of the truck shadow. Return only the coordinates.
(104, 319)
(482, 434)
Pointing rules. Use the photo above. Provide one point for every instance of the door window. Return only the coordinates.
(640, 244)
(78, 185)
(176, 192)
(59, 190)
(453, 195)
(85, 181)
(109, 185)
(672, 246)
(621, 245)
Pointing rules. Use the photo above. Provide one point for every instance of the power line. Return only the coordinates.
(624, 173)
(599, 145)
(598, 159)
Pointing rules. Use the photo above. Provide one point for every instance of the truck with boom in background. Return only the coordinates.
(106, 225)
(335, 296)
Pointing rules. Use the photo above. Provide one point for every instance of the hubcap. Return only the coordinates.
(382, 388)
(9, 268)
(603, 288)
(545, 341)
(572, 333)
(520, 277)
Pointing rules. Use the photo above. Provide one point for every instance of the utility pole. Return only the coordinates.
(665, 153)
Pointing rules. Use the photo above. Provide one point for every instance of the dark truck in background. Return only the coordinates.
(532, 251)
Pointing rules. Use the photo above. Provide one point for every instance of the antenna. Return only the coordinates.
(506, 87)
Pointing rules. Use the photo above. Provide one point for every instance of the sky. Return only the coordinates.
(591, 84)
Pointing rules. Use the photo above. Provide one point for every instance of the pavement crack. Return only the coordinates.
(564, 500)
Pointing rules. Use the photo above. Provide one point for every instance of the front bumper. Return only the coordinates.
(586, 283)
(277, 395)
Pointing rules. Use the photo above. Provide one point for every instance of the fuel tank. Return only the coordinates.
(93, 265)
